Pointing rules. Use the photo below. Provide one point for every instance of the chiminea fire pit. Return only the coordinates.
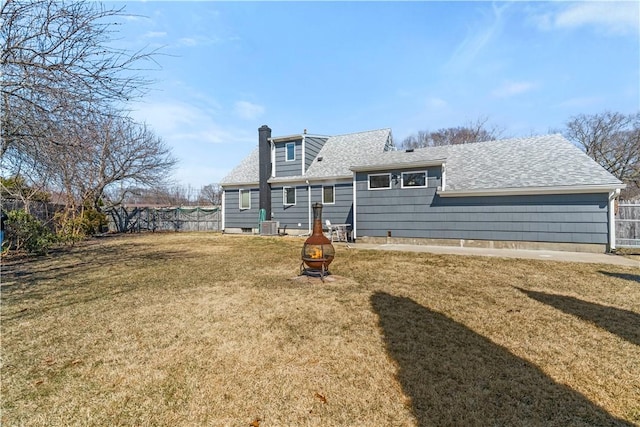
(317, 251)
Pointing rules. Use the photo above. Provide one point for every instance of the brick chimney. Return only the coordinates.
(264, 161)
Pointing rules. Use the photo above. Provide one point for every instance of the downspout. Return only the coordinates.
(612, 219)
(353, 226)
(309, 203)
(223, 209)
(443, 180)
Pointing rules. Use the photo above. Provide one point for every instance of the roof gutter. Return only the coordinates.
(239, 184)
(287, 180)
(286, 138)
(398, 165)
(305, 180)
(561, 189)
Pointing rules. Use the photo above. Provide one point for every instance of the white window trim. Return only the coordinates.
(286, 152)
(240, 191)
(334, 195)
(273, 160)
(426, 180)
(378, 188)
(284, 196)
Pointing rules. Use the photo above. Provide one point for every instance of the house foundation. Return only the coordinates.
(491, 244)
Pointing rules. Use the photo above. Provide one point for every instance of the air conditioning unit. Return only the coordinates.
(268, 228)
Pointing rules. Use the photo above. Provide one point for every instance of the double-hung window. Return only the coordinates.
(328, 194)
(379, 181)
(414, 179)
(245, 199)
(289, 196)
(291, 151)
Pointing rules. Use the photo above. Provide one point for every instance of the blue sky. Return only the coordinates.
(343, 67)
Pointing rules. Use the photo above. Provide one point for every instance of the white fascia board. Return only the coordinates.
(521, 191)
(398, 165)
(305, 180)
(332, 178)
(230, 185)
(317, 136)
(290, 181)
(286, 138)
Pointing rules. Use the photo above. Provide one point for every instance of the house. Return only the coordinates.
(538, 192)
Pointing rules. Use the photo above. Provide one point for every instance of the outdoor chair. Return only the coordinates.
(331, 230)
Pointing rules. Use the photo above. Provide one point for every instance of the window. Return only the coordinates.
(245, 199)
(381, 181)
(414, 179)
(291, 151)
(289, 195)
(328, 195)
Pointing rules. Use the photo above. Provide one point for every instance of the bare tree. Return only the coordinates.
(109, 153)
(167, 195)
(57, 63)
(613, 140)
(210, 194)
(472, 132)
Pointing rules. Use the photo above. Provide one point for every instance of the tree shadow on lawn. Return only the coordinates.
(65, 277)
(456, 377)
(625, 276)
(624, 323)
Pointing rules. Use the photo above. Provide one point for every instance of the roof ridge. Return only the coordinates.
(503, 140)
(364, 131)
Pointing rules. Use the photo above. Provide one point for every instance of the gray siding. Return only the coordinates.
(291, 168)
(236, 218)
(291, 215)
(420, 213)
(341, 212)
(312, 146)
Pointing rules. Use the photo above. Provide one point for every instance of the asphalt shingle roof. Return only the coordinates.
(542, 161)
(337, 155)
(246, 172)
(339, 152)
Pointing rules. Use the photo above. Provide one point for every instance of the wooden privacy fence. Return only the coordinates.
(628, 224)
(136, 219)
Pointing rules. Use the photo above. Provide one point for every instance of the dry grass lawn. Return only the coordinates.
(215, 330)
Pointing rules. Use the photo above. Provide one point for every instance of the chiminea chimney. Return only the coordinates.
(264, 161)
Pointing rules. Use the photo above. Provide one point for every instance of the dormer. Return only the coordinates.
(292, 155)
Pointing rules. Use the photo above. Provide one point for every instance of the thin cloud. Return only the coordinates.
(509, 89)
(247, 110)
(198, 41)
(477, 41)
(154, 34)
(170, 119)
(612, 18)
(435, 102)
(580, 102)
